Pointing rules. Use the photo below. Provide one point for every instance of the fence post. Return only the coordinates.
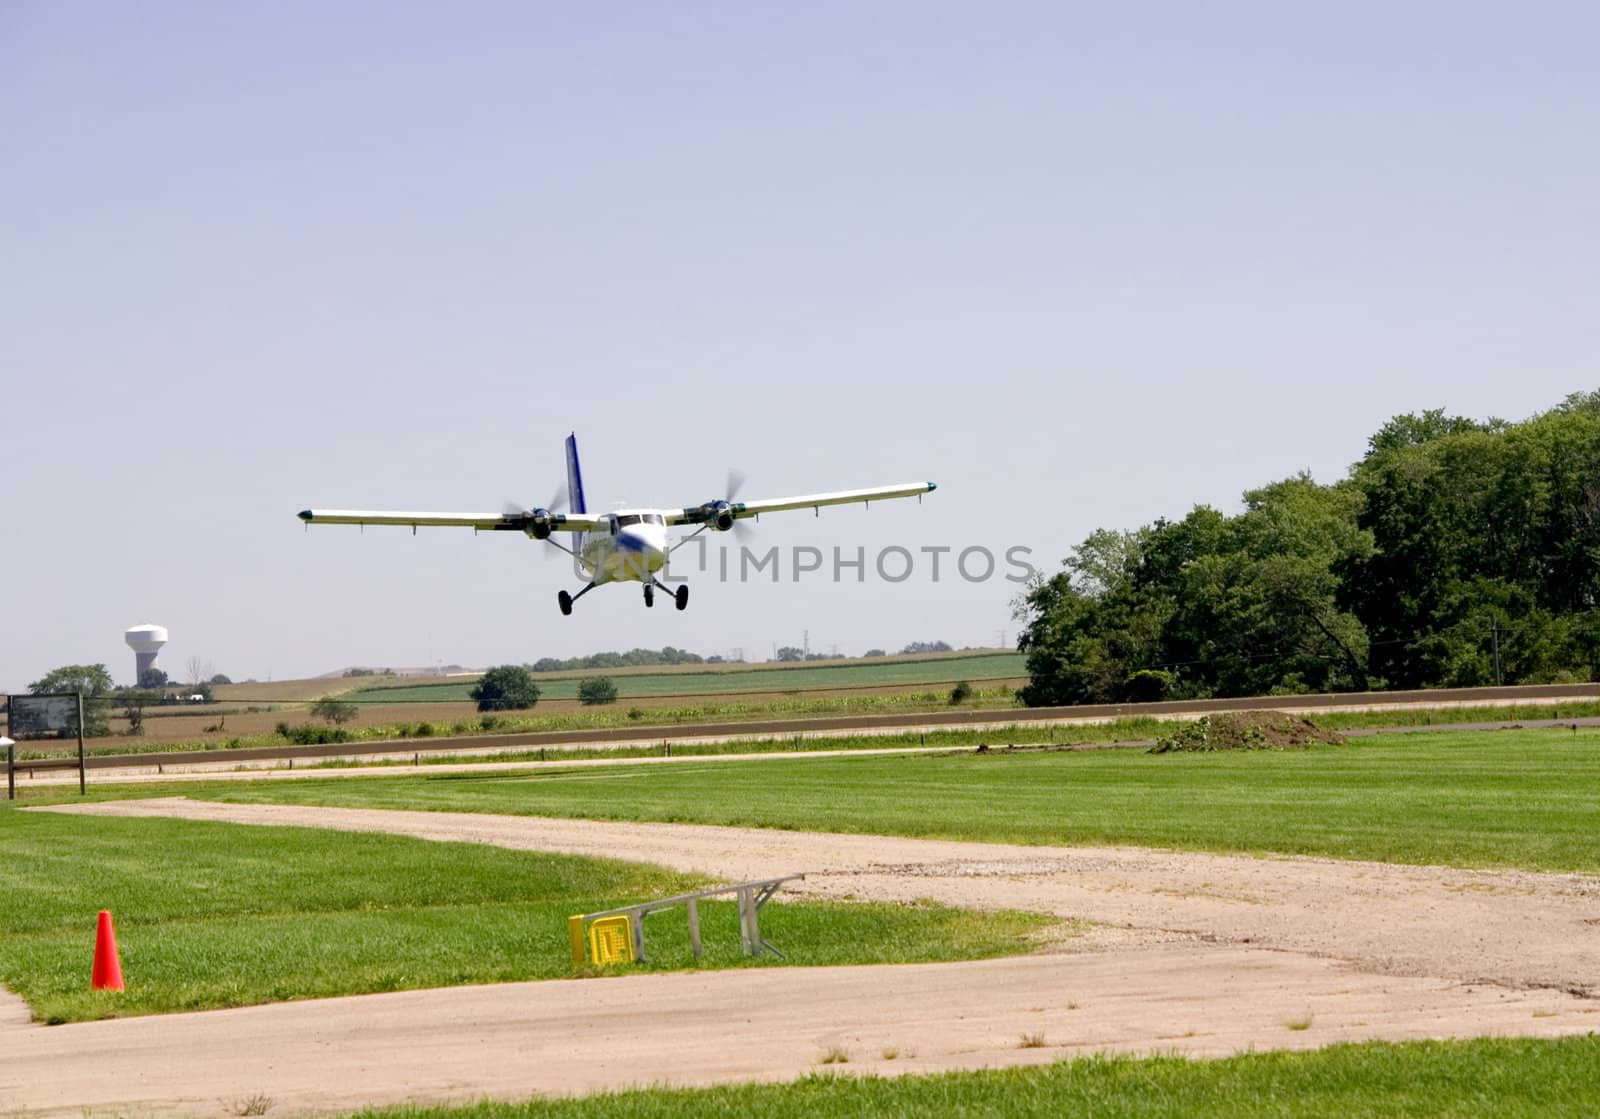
(749, 938)
(11, 770)
(83, 767)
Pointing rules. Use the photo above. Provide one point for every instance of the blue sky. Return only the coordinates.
(1082, 265)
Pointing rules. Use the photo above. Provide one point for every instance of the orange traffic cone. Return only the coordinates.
(107, 966)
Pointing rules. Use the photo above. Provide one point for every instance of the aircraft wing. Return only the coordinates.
(713, 511)
(481, 522)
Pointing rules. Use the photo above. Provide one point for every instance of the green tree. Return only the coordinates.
(93, 682)
(1216, 605)
(334, 710)
(1456, 552)
(597, 690)
(507, 687)
(219, 678)
(152, 677)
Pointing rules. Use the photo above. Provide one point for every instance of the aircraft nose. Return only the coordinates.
(635, 540)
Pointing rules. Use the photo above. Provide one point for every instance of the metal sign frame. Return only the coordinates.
(49, 711)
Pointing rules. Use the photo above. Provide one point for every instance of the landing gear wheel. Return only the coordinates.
(565, 600)
(682, 597)
(649, 595)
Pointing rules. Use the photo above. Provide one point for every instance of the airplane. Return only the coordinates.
(622, 546)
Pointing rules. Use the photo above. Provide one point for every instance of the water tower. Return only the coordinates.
(146, 642)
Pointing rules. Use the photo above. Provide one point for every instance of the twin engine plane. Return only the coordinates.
(627, 545)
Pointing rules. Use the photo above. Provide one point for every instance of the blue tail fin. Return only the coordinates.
(574, 477)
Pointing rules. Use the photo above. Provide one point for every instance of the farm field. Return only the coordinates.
(668, 694)
(1493, 1076)
(1472, 799)
(216, 915)
(401, 720)
(702, 680)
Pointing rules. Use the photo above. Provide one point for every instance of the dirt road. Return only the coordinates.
(1203, 954)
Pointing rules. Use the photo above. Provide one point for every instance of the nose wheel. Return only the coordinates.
(680, 597)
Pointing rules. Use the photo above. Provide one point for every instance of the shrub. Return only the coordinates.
(309, 735)
(508, 687)
(423, 730)
(597, 689)
(1147, 685)
(488, 722)
(960, 693)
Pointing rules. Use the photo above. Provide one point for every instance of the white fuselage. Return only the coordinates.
(632, 546)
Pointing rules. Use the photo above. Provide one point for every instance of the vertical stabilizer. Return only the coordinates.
(574, 476)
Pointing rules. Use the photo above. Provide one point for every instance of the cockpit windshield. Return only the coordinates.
(627, 519)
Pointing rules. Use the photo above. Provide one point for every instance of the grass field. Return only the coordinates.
(226, 728)
(401, 720)
(735, 678)
(1510, 798)
(1501, 1077)
(213, 915)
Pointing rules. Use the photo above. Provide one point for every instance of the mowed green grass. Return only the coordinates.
(1523, 798)
(213, 915)
(1503, 1077)
(800, 677)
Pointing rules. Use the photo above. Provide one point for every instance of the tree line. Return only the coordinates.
(1456, 553)
(633, 658)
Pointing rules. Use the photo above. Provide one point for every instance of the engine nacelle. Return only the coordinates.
(719, 515)
(539, 522)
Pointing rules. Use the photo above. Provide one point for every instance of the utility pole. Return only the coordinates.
(1494, 637)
